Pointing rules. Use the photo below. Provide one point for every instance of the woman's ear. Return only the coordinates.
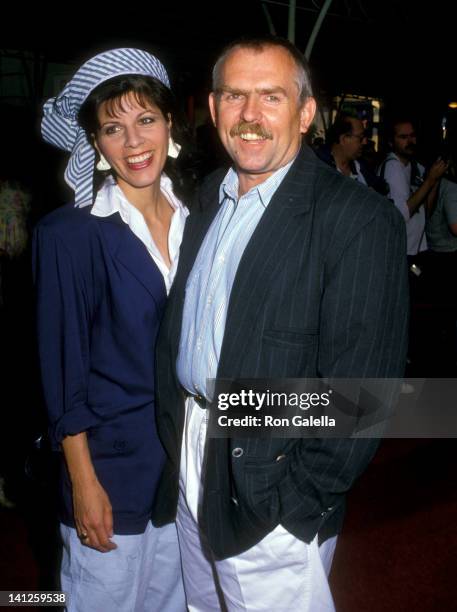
(94, 143)
(102, 164)
(173, 147)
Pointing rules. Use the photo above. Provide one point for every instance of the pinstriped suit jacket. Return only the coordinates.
(321, 291)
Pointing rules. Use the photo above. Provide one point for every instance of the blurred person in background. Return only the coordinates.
(14, 211)
(413, 191)
(343, 151)
(441, 231)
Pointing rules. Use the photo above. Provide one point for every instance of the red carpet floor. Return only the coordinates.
(397, 553)
(398, 549)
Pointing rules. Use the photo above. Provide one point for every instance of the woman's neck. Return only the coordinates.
(148, 200)
(157, 213)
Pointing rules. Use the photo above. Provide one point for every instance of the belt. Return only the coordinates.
(200, 400)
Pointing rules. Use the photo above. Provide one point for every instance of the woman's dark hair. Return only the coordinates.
(146, 90)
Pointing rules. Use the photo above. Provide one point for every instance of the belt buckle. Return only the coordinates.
(200, 400)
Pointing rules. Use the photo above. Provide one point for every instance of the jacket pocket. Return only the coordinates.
(259, 487)
(287, 353)
(290, 338)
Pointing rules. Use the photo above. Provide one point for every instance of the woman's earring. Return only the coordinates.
(173, 148)
(102, 164)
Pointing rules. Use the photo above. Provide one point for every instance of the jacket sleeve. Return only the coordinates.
(63, 329)
(363, 334)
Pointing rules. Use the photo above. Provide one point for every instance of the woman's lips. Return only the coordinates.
(138, 162)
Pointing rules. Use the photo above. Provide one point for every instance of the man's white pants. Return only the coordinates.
(279, 573)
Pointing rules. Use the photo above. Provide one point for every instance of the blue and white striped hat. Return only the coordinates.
(60, 125)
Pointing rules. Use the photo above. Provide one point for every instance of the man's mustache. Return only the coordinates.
(244, 127)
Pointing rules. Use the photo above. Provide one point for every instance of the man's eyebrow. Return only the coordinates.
(272, 90)
(244, 92)
(232, 90)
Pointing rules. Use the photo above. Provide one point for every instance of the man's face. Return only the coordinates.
(258, 113)
(353, 142)
(404, 140)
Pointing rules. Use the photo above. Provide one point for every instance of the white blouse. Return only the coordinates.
(111, 199)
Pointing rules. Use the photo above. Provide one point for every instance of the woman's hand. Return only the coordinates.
(92, 508)
(93, 516)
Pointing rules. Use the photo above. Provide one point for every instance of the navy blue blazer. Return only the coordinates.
(100, 299)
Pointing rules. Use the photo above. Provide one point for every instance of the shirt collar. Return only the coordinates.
(264, 191)
(111, 199)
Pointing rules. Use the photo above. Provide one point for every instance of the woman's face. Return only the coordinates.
(134, 141)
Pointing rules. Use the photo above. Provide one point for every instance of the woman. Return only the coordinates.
(103, 269)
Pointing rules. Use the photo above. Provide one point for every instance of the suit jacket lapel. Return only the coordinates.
(133, 255)
(287, 217)
(195, 231)
(202, 214)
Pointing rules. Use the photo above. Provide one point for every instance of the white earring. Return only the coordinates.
(173, 148)
(103, 165)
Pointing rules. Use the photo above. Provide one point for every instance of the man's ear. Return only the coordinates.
(307, 114)
(212, 106)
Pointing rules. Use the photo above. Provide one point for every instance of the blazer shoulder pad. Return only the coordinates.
(66, 215)
(335, 193)
(70, 224)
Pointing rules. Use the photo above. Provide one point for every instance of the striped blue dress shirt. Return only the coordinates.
(211, 279)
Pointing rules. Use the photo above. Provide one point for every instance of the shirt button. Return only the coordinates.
(237, 452)
(234, 501)
(280, 457)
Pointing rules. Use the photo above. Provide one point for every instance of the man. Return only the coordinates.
(410, 189)
(441, 231)
(343, 151)
(442, 224)
(413, 192)
(288, 270)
